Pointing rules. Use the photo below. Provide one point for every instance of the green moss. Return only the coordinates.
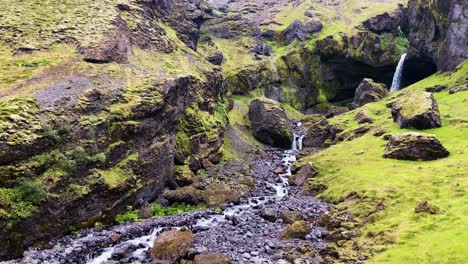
(158, 210)
(119, 174)
(19, 121)
(396, 234)
(131, 215)
(195, 123)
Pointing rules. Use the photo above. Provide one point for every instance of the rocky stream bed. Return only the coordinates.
(249, 232)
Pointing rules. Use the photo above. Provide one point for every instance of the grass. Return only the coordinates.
(397, 234)
(35, 24)
(157, 210)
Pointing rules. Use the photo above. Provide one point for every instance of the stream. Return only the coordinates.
(249, 232)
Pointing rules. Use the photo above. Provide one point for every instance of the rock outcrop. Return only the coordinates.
(385, 23)
(438, 31)
(414, 146)
(298, 30)
(269, 123)
(317, 134)
(369, 91)
(416, 110)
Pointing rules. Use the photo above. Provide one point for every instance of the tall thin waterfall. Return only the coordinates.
(396, 84)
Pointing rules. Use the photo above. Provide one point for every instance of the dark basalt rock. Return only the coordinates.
(305, 173)
(297, 30)
(336, 111)
(385, 22)
(414, 146)
(369, 91)
(438, 31)
(317, 134)
(416, 110)
(362, 117)
(270, 124)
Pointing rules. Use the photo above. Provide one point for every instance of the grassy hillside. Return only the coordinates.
(358, 179)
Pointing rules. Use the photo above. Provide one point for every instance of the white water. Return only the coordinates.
(396, 84)
(281, 191)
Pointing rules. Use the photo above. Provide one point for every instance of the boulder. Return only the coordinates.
(369, 91)
(297, 30)
(316, 134)
(336, 111)
(362, 117)
(414, 146)
(171, 246)
(211, 258)
(384, 22)
(290, 216)
(305, 172)
(298, 230)
(187, 195)
(269, 123)
(416, 110)
(269, 214)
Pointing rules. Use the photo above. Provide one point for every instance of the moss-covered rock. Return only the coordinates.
(290, 216)
(211, 258)
(414, 146)
(416, 110)
(296, 230)
(269, 123)
(369, 91)
(171, 246)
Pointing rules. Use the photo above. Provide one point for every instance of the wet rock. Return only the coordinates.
(369, 91)
(115, 237)
(172, 246)
(123, 250)
(425, 207)
(416, 110)
(336, 111)
(211, 258)
(316, 134)
(270, 124)
(279, 170)
(362, 117)
(290, 216)
(414, 146)
(269, 214)
(298, 229)
(306, 172)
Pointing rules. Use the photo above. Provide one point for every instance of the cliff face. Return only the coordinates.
(92, 129)
(439, 30)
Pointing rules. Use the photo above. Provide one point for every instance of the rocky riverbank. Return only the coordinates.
(262, 228)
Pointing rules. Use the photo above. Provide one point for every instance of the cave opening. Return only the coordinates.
(416, 69)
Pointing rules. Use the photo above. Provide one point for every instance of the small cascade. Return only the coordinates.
(140, 246)
(396, 84)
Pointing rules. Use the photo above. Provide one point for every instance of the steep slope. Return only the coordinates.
(376, 197)
(80, 141)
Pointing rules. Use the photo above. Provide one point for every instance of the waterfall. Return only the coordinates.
(396, 84)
